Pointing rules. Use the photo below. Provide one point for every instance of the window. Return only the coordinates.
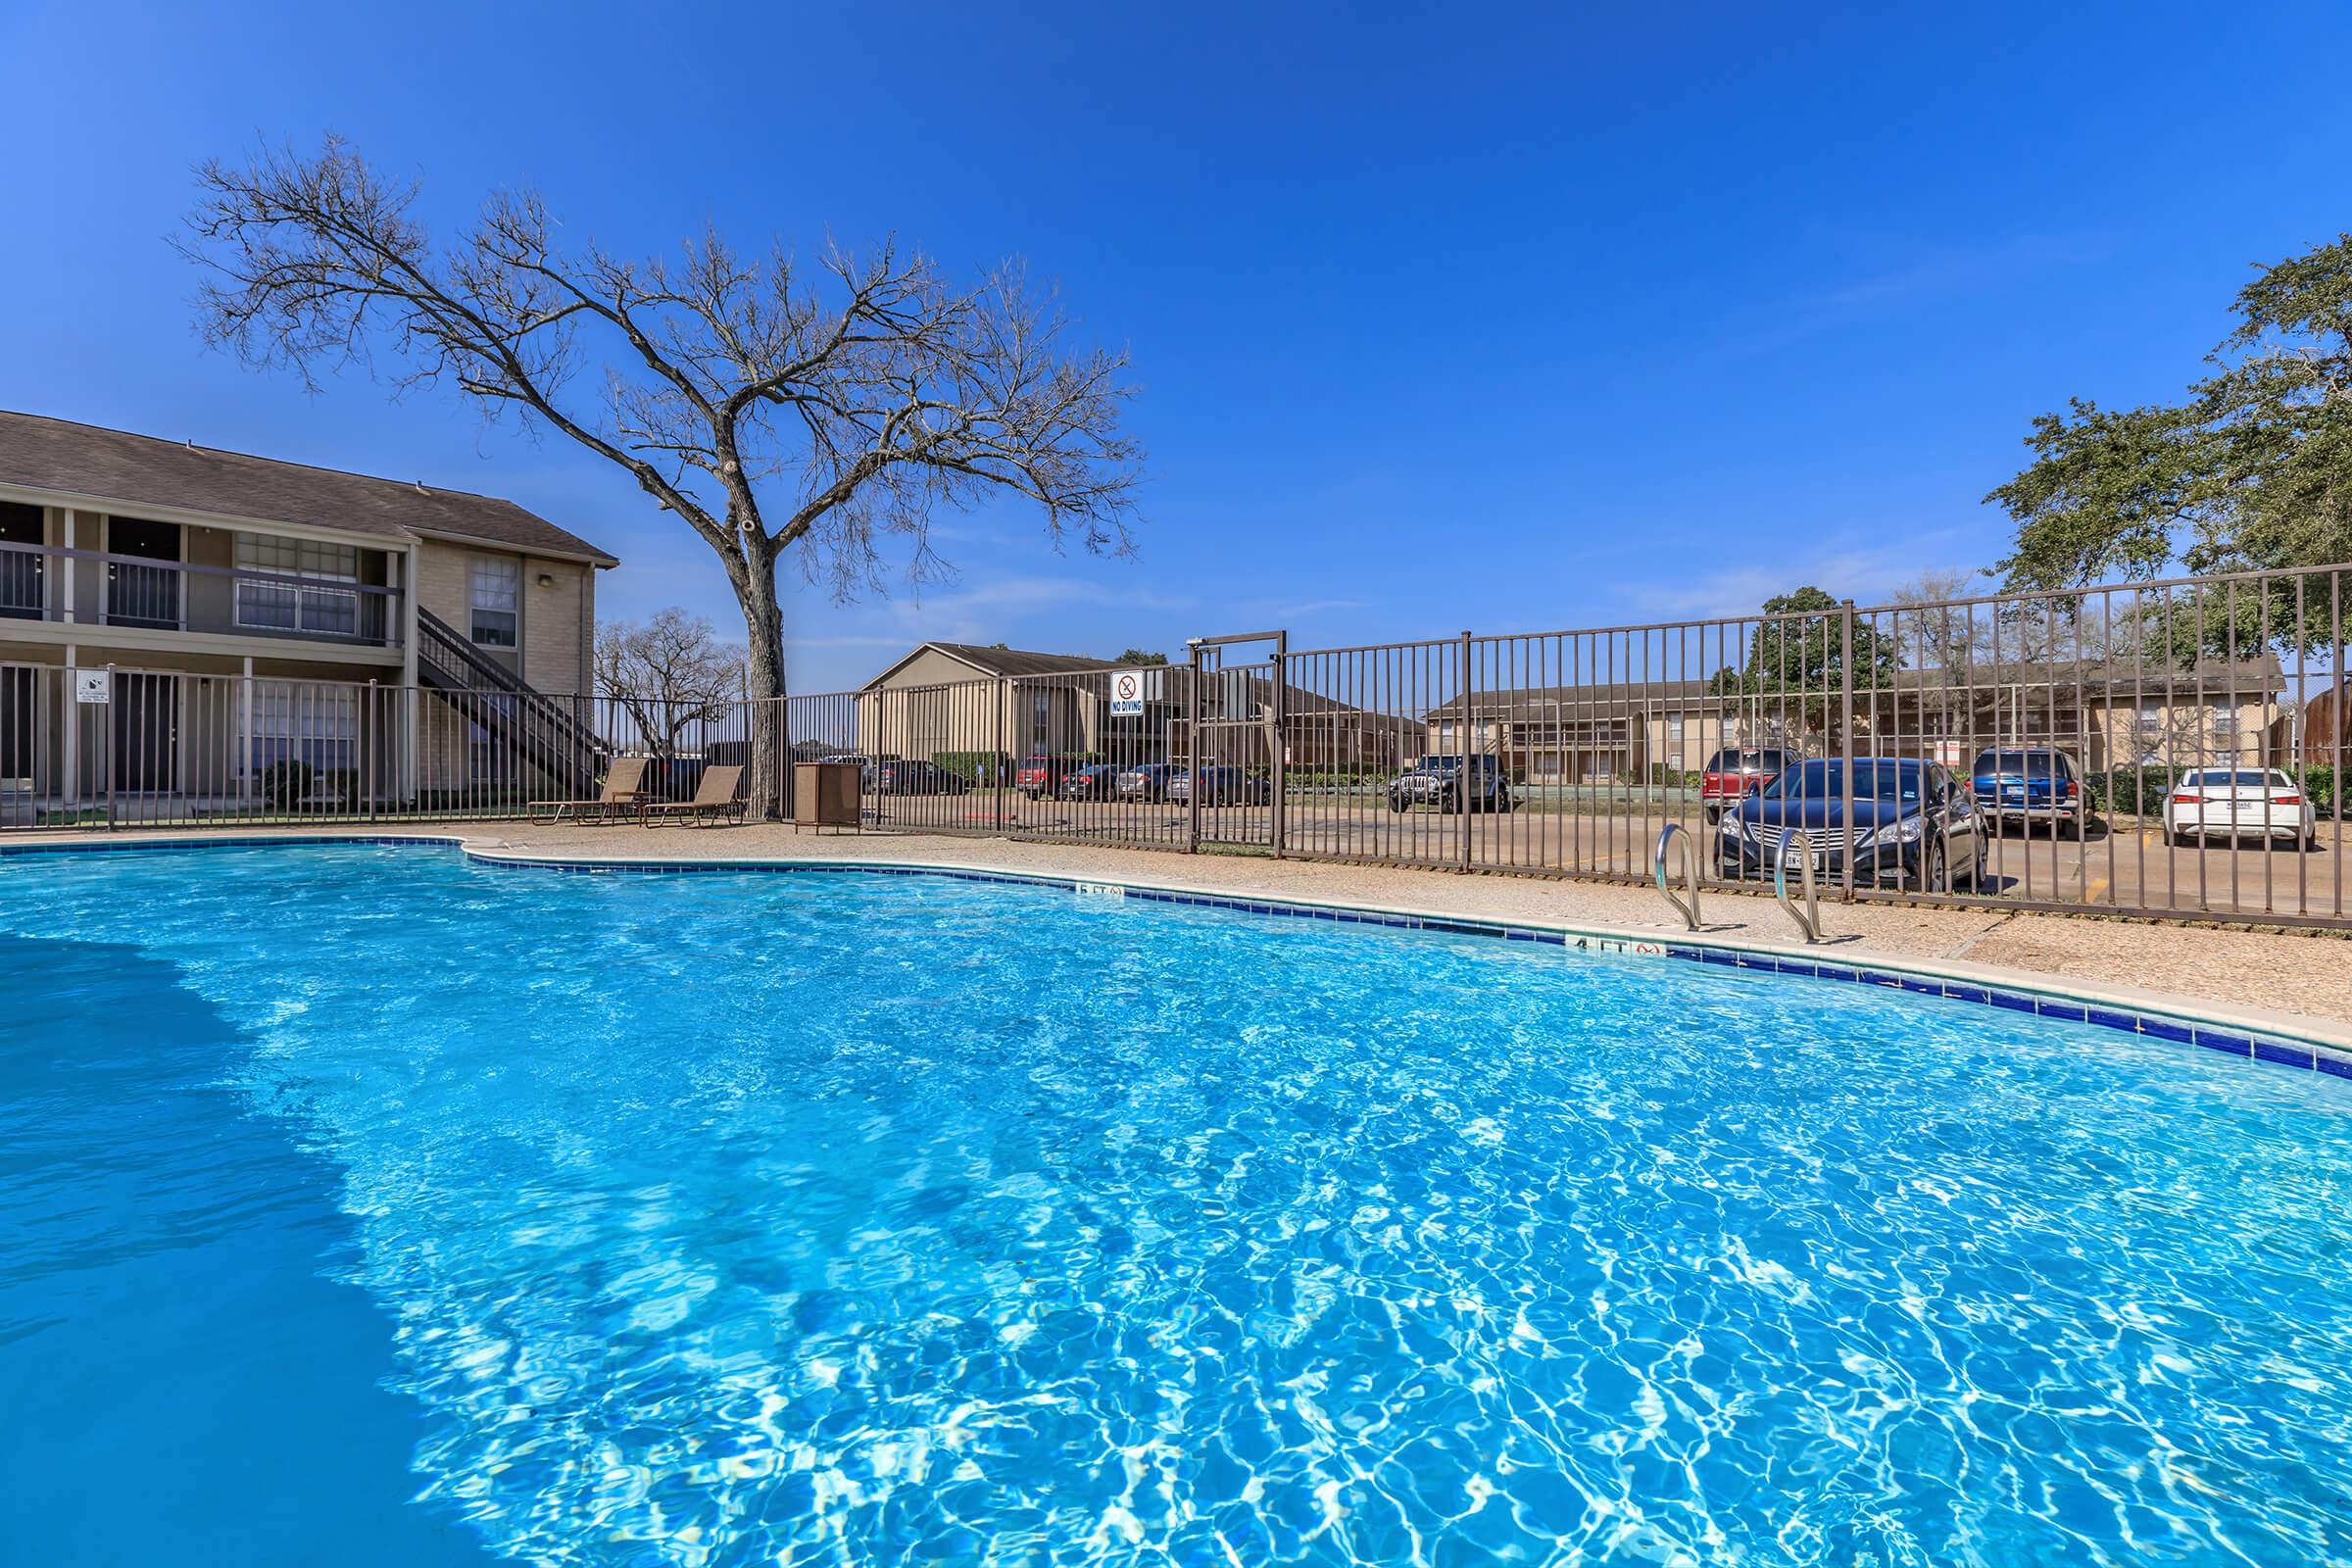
(2225, 721)
(495, 599)
(1674, 727)
(286, 606)
(1041, 717)
(296, 721)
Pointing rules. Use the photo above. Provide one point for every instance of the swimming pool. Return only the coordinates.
(374, 1206)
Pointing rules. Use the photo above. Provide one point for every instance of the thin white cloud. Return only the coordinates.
(1865, 573)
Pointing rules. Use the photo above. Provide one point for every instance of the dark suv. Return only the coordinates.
(1438, 781)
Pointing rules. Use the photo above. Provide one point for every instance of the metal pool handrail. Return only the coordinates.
(1668, 835)
(1808, 918)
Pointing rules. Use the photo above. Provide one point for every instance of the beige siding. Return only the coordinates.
(556, 622)
(441, 582)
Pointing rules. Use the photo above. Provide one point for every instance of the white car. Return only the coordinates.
(2209, 802)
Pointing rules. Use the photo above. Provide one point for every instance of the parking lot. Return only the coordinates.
(2120, 864)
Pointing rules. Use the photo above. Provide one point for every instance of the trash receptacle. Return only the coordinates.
(826, 793)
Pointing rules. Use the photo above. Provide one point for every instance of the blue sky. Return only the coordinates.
(1502, 318)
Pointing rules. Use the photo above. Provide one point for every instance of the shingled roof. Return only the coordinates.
(126, 470)
(1006, 661)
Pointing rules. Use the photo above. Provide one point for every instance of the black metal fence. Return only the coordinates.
(2165, 748)
(115, 748)
(2155, 749)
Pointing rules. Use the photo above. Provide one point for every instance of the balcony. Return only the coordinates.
(136, 591)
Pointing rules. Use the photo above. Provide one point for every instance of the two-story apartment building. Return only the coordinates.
(174, 620)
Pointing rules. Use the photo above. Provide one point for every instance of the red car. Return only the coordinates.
(1736, 772)
(1042, 775)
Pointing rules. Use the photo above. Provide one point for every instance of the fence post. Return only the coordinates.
(1282, 777)
(1845, 742)
(370, 756)
(997, 764)
(107, 729)
(1461, 772)
(1192, 754)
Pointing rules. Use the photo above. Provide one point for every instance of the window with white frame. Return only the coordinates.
(2225, 721)
(1040, 718)
(1674, 728)
(305, 721)
(298, 607)
(496, 602)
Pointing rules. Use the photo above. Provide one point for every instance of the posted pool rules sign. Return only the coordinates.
(1127, 694)
(93, 685)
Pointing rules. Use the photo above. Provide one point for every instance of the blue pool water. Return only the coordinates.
(367, 1206)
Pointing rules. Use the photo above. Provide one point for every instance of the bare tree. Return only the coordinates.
(832, 408)
(668, 675)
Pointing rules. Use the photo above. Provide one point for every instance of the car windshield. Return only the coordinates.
(2249, 778)
(1824, 780)
(1748, 760)
(1437, 764)
(2032, 764)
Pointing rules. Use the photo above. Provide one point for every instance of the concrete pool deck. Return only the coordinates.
(2265, 981)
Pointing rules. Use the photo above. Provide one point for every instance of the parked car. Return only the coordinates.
(1094, 782)
(1220, 785)
(1148, 782)
(918, 778)
(1736, 772)
(2028, 784)
(1042, 775)
(2239, 802)
(1914, 824)
(1438, 781)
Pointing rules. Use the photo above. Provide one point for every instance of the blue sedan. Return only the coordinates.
(1913, 826)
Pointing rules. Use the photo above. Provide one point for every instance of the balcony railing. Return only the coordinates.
(113, 590)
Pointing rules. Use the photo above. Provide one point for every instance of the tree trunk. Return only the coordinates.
(767, 708)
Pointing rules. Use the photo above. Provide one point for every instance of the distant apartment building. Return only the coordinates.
(175, 620)
(943, 700)
(2106, 715)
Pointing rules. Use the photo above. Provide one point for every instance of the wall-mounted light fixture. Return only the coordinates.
(546, 579)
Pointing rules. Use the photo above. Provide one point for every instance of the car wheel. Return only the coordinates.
(1934, 878)
(1397, 805)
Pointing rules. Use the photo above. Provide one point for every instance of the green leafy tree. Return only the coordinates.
(2251, 472)
(1138, 656)
(1797, 662)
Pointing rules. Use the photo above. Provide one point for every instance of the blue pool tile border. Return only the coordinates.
(2280, 1050)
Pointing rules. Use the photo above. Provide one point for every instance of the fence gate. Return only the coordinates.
(1236, 763)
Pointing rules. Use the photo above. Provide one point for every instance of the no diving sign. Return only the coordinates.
(1127, 694)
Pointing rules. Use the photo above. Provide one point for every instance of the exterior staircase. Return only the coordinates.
(554, 735)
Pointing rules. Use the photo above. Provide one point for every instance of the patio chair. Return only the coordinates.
(713, 796)
(623, 794)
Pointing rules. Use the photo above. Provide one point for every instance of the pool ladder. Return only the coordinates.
(1806, 915)
(1671, 836)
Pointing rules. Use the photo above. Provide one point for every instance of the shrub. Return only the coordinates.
(285, 783)
(975, 768)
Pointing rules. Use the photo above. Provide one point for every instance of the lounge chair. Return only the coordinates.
(623, 794)
(713, 796)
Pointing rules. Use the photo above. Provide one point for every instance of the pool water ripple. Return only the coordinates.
(730, 1219)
